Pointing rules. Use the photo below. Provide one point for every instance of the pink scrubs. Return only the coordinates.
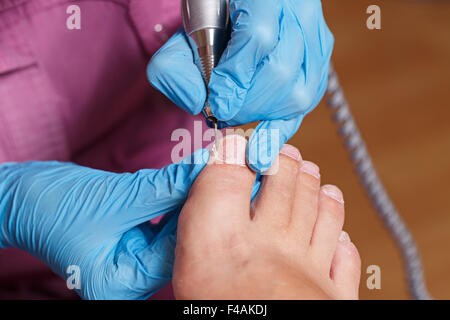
(82, 96)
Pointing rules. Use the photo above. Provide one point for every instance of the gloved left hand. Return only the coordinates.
(76, 218)
(274, 70)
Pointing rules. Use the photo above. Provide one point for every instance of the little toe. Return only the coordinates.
(346, 268)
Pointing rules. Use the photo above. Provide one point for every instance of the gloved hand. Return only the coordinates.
(274, 70)
(67, 215)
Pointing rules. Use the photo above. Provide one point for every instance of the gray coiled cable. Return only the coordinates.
(368, 177)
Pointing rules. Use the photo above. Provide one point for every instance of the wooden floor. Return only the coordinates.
(397, 81)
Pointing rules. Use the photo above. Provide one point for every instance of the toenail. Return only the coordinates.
(311, 169)
(333, 192)
(291, 152)
(230, 150)
(344, 237)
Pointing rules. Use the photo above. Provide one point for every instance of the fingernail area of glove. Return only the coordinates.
(229, 149)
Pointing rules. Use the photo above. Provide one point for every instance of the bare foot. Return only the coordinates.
(287, 244)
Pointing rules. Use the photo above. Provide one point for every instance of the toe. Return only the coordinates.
(223, 189)
(213, 224)
(346, 268)
(273, 204)
(305, 208)
(328, 226)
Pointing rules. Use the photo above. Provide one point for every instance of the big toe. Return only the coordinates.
(223, 189)
(346, 268)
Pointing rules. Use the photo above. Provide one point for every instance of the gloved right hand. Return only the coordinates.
(96, 221)
(274, 70)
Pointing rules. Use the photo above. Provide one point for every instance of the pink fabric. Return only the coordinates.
(81, 95)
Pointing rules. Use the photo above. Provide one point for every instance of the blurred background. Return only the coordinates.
(397, 81)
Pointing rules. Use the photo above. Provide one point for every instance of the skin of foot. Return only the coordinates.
(287, 243)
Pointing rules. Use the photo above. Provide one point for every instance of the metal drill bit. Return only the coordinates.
(214, 122)
(206, 22)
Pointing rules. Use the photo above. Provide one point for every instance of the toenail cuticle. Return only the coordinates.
(311, 169)
(333, 192)
(344, 237)
(291, 152)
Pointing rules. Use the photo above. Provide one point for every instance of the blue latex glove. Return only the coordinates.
(274, 70)
(67, 215)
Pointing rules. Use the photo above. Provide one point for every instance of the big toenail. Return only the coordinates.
(311, 169)
(333, 192)
(230, 150)
(291, 152)
(344, 237)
